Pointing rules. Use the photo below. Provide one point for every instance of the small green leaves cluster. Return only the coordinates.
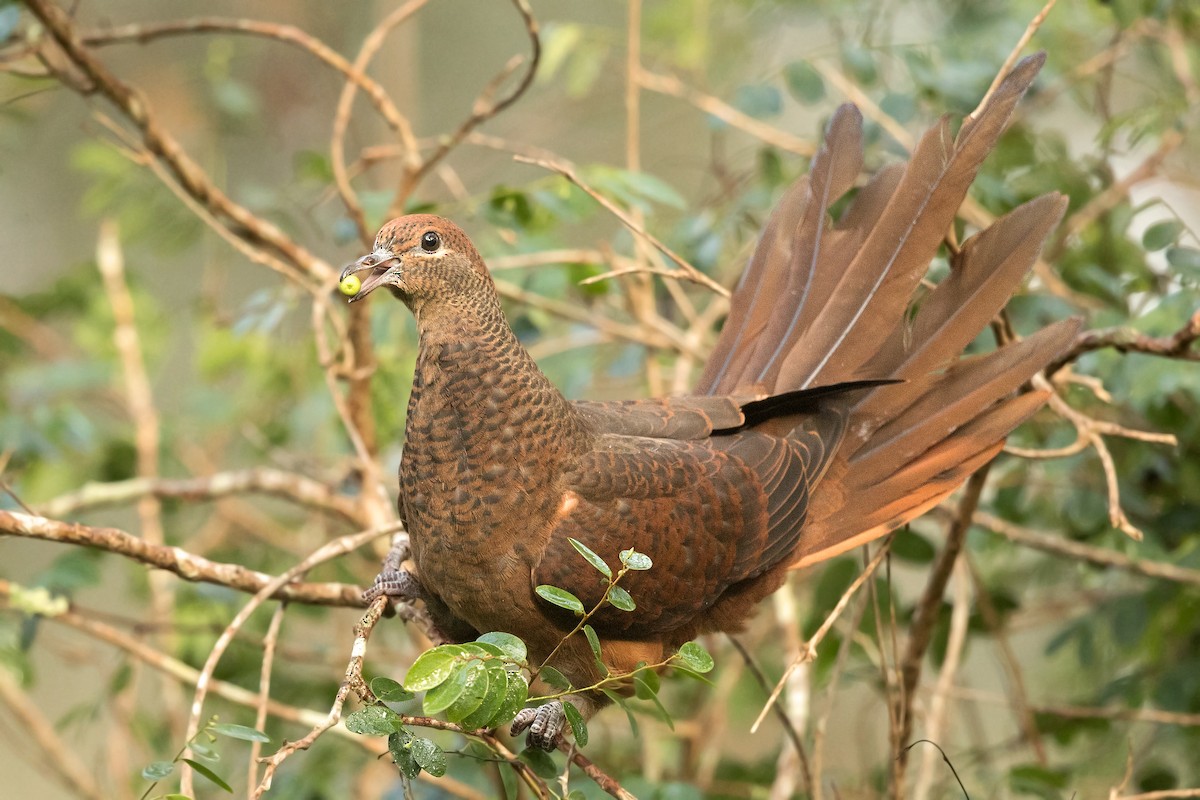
(478, 685)
(200, 745)
(410, 752)
(691, 658)
(482, 685)
(614, 595)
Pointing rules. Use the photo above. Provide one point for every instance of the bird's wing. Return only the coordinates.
(708, 513)
(663, 417)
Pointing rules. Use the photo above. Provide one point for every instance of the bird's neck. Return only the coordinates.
(470, 366)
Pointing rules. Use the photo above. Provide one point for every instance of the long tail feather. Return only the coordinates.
(819, 300)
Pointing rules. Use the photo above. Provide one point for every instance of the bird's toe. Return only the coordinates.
(394, 584)
(546, 724)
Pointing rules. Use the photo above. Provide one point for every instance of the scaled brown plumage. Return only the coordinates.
(825, 416)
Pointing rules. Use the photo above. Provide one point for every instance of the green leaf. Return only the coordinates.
(593, 559)
(508, 777)
(239, 732)
(374, 721)
(430, 669)
(390, 691)
(472, 696)
(428, 756)
(540, 762)
(442, 696)
(578, 726)
(804, 82)
(1162, 234)
(593, 640)
(619, 700)
(204, 751)
(157, 770)
(651, 679)
(758, 100)
(654, 189)
(512, 646)
(497, 691)
(514, 700)
(175, 796)
(911, 546)
(645, 692)
(635, 560)
(695, 658)
(620, 599)
(216, 779)
(1186, 260)
(860, 63)
(560, 597)
(400, 746)
(553, 677)
(643, 689)
(475, 691)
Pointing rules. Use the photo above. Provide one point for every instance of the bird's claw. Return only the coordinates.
(394, 584)
(546, 724)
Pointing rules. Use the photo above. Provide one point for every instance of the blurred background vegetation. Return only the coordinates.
(1065, 659)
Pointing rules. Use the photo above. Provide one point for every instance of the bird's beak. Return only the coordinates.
(378, 266)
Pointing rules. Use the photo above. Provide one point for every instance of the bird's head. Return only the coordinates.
(421, 257)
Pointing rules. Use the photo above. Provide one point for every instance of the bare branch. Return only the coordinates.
(144, 32)
(1177, 345)
(1055, 544)
(300, 489)
(158, 141)
(185, 565)
(484, 108)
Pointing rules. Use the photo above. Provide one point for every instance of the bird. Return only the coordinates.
(835, 407)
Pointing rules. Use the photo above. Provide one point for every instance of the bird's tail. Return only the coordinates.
(825, 302)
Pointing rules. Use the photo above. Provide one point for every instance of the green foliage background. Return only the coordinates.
(238, 383)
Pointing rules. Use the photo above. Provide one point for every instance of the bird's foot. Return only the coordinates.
(396, 584)
(546, 723)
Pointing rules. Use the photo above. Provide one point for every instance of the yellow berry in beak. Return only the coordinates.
(350, 285)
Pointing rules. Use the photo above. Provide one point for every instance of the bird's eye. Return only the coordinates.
(430, 242)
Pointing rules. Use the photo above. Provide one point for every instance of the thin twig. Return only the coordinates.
(927, 612)
(1055, 544)
(327, 552)
(270, 642)
(60, 758)
(299, 489)
(810, 648)
(484, 108)
(1012, 665)
(599, 776)
(940, 702)
(143, 32)
(778, 709)
(163, 145)
(685, 272)
(670, 85)
(1013, 55)
(341, 118)
(353, 675)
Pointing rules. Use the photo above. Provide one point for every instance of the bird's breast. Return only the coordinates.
(479, 478)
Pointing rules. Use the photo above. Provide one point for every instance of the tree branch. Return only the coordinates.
(182, 563)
